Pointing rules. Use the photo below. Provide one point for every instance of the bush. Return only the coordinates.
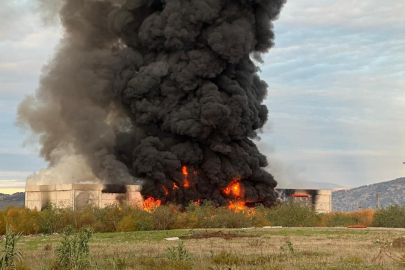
(3, 225)
(209, 216)
(55, 219)
(342, 220)
(9, 254)
(392, 216)
(226, 258)
(65, 218)
(200, 216)
(293, 214)
(127, 224)
(84, 217)
(225, 218)
(260, 219)
(23, 220)
(136, 220)
(361, 217)
(178, 253)
(73, 251)
(184, 221)
(164, 217)
(115, 218)
(365, 216)
(288, 246)
(148, 263)
(111, 218)
(49, 220)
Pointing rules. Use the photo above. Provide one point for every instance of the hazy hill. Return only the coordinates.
(16, 199)
(390, 192)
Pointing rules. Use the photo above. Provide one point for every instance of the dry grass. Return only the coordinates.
(286, 248)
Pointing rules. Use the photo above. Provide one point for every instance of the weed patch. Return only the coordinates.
(178, 253)
(229, 259)
(73, 251)
(10, 255)
(148, 263)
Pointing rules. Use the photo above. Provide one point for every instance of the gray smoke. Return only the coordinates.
(141, 88)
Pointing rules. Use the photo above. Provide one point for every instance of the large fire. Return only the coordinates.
(185, 176)
(237, 206)
(150, 204)
(235, 189)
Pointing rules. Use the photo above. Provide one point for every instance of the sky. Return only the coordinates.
(336, 98)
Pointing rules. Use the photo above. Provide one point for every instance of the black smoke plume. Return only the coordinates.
(142, 88)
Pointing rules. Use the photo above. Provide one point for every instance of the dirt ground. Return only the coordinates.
(248, 248)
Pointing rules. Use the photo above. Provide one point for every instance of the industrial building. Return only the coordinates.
(319, 199)
(79, 195)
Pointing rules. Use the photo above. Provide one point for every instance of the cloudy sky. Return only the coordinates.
(336, 91)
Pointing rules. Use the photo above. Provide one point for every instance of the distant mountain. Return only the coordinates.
(16, 200)
(390, 192)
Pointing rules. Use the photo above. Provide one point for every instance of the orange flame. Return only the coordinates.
(184, 170)
(237, 191)
(175, 186)
(197, 202)
(150, 204)
(185, 176)
(237, 206)
(234, 188)
(166, 190)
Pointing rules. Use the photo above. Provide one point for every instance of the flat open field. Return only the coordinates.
(281, 248)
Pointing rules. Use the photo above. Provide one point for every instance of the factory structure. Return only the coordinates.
(319, 199)
(78, 195)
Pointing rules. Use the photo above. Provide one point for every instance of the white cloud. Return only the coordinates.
(11, 184)
(13, 174)
(13, 180)
(330, 13)
(26, 45)
(336, 90)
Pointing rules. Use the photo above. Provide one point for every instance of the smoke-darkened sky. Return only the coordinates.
(336, 91)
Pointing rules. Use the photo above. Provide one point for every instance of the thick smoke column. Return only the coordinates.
(162, 90)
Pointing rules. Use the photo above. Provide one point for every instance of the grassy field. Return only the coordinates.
(282, 248)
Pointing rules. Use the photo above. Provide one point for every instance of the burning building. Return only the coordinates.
(166, 91)
(75, 196)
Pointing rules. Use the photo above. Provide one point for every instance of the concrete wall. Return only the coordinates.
(79, 195)
(323, 201)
